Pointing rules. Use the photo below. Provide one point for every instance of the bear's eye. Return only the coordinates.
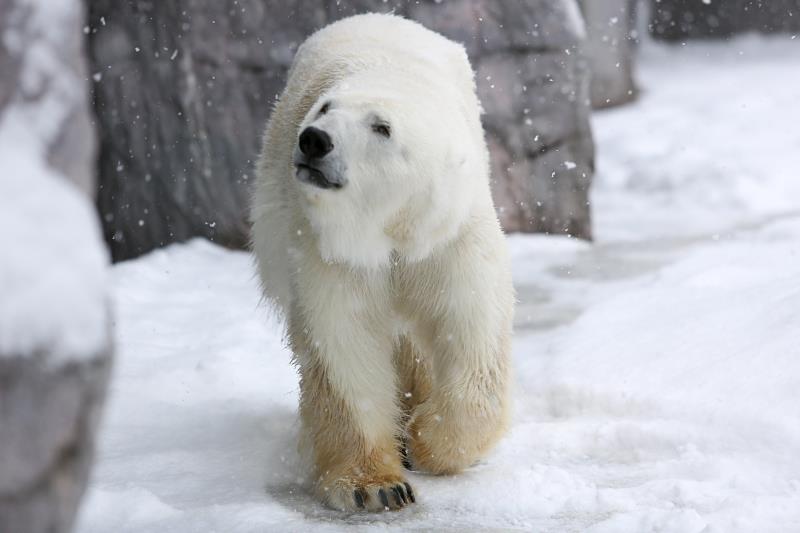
(381, 128)
(324, 108)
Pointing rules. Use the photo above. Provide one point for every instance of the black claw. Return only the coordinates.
(410, 493)
(397, 499)
(402, 492)
(359, 498)
(383, 497)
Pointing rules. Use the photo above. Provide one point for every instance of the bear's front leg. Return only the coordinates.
(341, 336)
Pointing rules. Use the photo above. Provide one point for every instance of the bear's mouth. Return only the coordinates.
(314, 176)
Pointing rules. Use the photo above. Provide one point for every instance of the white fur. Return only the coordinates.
(412, 237)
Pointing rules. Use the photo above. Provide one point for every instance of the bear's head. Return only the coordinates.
(385, 163)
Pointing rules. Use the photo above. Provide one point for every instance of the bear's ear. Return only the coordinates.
(463, 168)
(456, 168)
(456, 159)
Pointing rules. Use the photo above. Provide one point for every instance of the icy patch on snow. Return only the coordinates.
(675, 393)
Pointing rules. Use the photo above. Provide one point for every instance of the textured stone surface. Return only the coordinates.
(611, 27)
(48, 415)
(533, 81)
(49, 395)
(71, 148)
(183, 90)
(675, 20)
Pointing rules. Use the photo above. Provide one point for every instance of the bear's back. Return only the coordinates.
(369, 41)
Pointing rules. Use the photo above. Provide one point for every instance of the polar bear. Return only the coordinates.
(376, 238)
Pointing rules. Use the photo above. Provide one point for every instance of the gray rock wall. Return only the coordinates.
(55, 346)
(611, 25)
(183, 90)
(49, 415)
(676, 20)
(533, 81)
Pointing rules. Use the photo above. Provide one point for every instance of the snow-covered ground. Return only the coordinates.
(658, 369)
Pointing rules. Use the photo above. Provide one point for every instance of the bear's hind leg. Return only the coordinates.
(452, 430)
(462, 315)
(414, 386)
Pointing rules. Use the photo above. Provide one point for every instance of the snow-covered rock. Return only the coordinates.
(55, 342)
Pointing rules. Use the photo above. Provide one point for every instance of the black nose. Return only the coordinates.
(315, 143)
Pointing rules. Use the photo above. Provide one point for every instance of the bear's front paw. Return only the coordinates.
(387, 493)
